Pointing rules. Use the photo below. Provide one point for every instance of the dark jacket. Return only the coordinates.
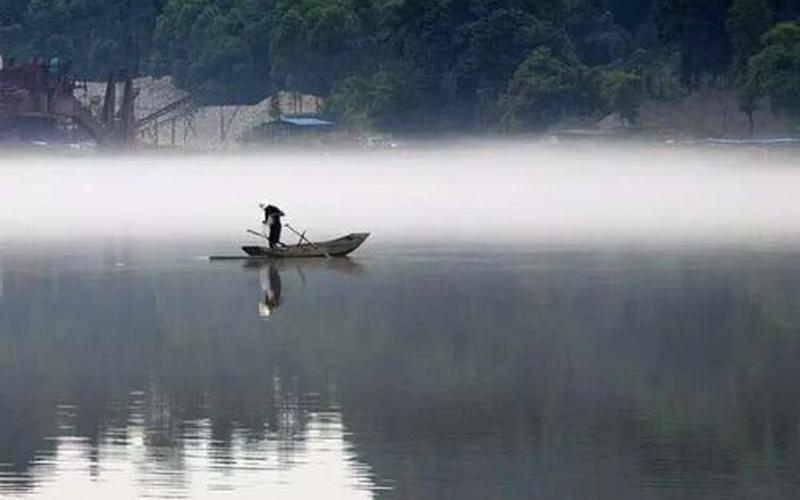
(275, 212)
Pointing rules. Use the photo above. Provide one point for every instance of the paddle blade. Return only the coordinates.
(256, 233)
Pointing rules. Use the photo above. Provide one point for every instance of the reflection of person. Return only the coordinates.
(271, 286)
(272, 223)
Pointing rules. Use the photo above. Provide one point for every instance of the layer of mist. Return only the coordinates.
(487, 192)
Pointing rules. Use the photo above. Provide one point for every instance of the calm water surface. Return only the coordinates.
(421, 373)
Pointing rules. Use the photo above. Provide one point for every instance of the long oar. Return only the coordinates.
(260, 235)
(303, 237)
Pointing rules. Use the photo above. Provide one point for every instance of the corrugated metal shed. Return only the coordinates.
(305, 121)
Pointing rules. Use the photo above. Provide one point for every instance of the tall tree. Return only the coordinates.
(747, 21)
(698, 29)
(12, 12)
(775, 70)
(630, 14)
(544, 89)
(622, 92)
(216, 49)
(785, 10)
(380, 101)
(489, 50)
(312, 43)
(593, 31)
(12, 31)
(95, 35)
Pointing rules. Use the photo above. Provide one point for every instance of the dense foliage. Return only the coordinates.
(95, 35)
(430, 64)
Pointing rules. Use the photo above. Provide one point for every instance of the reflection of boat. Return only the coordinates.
(270, 270)
(344, 265)
(333, 248)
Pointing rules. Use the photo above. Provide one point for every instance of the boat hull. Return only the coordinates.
(333, 248)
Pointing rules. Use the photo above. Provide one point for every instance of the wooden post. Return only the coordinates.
(190, 126)
(233, 116)
(222, 124)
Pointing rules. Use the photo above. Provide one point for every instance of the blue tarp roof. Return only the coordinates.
(306, 121)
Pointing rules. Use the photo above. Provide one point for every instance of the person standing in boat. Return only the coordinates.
(272, 223)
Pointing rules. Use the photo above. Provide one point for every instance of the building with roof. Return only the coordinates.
(289, 128)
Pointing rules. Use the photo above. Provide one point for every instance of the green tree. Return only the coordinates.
(544, 89)
(379, 101)
(622, 92)
(11, 14)
(597, 37)
(747, 22)
(216, 49)
(630, 14)
(774, 71)
(96, 36)
(312, 44)
(460, 54)
(698, 30)
(422, 65)
(748, 104)
(489, 50)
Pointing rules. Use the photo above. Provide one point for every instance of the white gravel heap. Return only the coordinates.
(202, 129)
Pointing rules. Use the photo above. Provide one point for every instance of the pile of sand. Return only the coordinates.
(201, 127)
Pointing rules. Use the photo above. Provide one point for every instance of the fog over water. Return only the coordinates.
(487, 192)
(439, 361)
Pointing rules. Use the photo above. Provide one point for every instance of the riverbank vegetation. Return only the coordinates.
(432, 65)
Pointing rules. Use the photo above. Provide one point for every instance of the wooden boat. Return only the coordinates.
(333, 248)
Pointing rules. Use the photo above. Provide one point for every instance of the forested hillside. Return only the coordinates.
(431, 65)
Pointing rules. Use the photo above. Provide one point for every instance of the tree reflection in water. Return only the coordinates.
(552, 375)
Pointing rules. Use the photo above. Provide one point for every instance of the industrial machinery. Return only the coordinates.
(39, 94)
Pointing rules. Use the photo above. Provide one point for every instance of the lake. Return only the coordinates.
(527, 364)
